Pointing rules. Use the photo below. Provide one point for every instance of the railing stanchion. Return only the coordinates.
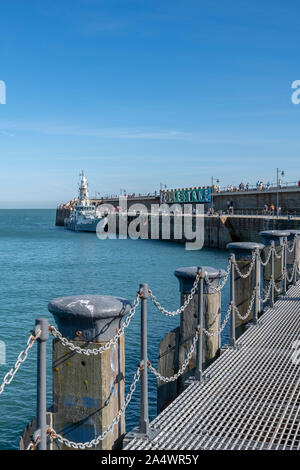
(284, 286)
(272, 274)
(43, 325)
(144, 412)
(199, 348)
(296, 255)
(232, 299)
(257, 288)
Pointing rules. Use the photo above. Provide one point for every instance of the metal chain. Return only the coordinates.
(21, 358)
(268, 292)
(106, 346)
(222, 284)
(219, 331)
(281, 253)
(191, 351)
(34, 442)
(182, 368)
(243, 317)
(278, 290)
(290, 250)
(264, 264)
(84, 445)
(244, 276)
(184, 305)
(293, 273)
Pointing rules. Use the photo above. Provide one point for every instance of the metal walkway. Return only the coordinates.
(252, 399)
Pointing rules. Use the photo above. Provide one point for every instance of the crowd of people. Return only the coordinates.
(259, 186)
(267, 210)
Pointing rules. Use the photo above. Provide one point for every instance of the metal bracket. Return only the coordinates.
(192, 380)
(135, 434)
(237, 346)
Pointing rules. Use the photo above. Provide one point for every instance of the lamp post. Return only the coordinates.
(212, 192)
(281, 172)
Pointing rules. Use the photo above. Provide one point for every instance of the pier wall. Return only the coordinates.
(220, 230)
(61, 215)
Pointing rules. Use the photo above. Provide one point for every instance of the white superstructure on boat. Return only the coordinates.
(84, 218)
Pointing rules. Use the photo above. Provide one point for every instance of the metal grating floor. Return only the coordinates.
(252, 399)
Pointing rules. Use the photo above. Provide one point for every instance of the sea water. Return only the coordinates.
(40, 261)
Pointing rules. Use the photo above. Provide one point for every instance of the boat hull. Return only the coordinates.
(82, 227)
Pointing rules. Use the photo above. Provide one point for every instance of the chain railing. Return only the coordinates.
(183, 306)
(290, 279)
(183, 366)
(268, 292)
(252, 264)
(106, 346)
(292, 248)
(250, 307)
(224, 281)
(8, 378)
(220, 330)
(278, 256)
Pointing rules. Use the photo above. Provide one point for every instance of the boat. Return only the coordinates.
(83, 218)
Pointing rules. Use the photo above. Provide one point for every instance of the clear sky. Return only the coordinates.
(144, 92)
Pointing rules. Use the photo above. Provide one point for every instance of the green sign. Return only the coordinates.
(187, 196)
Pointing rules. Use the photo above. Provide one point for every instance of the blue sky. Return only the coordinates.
(144, 92)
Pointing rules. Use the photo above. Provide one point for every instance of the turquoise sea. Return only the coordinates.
(40, 261)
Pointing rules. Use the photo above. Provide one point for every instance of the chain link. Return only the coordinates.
(106, 346)
(293, 273)
(243, 317)
(191, 351)
(21, 358)
(182, 368)
(290, 250)
(222, 284)
(219, 331)
(281, 253)
(86, 445)
(264, 300)
(184, 305)
(277, 289)
(264, 263)
(244, 276)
